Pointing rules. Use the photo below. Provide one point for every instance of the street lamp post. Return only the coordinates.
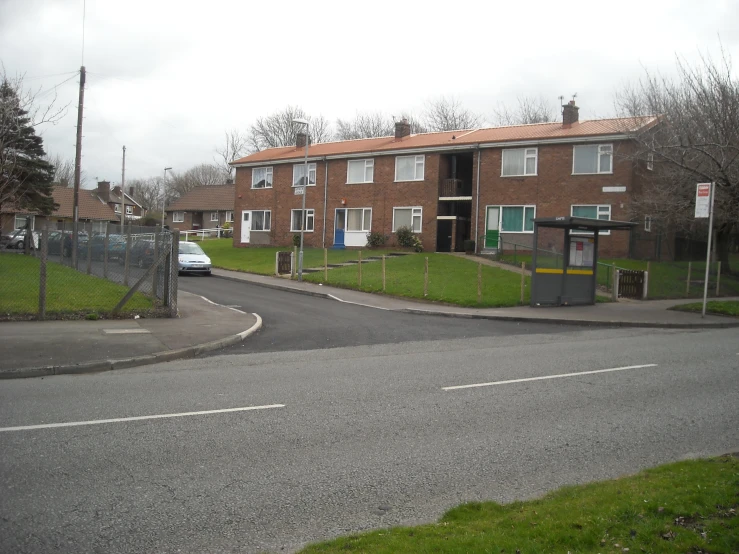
(305, 191)
(164, 191)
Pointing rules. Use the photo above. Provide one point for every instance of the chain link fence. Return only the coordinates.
(98, 271)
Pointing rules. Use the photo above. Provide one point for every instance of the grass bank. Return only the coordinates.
(451, 280)
(718, 307)
(686, 507)
(67, 291)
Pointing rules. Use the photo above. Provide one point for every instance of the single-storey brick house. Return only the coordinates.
(485, 185)
(205, 207)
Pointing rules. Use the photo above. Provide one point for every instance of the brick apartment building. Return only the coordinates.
(481, 184)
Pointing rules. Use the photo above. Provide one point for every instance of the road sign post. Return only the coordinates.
(704, 195)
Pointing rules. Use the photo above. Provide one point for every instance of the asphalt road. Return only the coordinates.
(357, 437)
(300, 322)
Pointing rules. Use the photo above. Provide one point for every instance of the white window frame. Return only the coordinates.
(310, 217)
(598, 209)
(417, 159)
(527, 154)
(500, 217)
(369, 164)
(416, 211)
(268, 177)
(117, 208)
(24, 218)
(178, 217)
(363, 230)
(311, 174)
(647, 223)
(269, 227)
(650, 162)
(129, 209)
(602, 149)
(230, 216)
(214, 217)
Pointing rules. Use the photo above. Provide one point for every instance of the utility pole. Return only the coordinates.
(123, 189)
(77, 168)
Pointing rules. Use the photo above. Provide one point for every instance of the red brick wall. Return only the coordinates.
(381, 195)
(554, 190)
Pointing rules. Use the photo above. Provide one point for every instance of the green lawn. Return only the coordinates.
(725, 307)
(67, 291)
(261, 260)
(666, 279)
(686, 507)
(451, 279)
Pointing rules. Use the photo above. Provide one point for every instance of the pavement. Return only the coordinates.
(42, 348)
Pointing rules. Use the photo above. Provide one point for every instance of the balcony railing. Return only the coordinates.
(451, 188)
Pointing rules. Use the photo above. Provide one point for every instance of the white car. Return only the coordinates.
(192, 259)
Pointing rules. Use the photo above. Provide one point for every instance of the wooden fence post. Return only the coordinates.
(360, 268)
(42, 272)
(687, 284)
(383, 273)
(426, 278)
(479, 282)
(293, 265)
(718, 278)
(614, 286)
(325, 265)
(523, 280)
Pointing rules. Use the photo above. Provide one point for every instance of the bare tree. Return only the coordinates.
(364, 125)
(279, 129)
(64, 171)
(696, 139)
(202, 175)
(235, 146)
(448, 114)
(25, 176)
(529, 110)
(147, 192)
(418, 125)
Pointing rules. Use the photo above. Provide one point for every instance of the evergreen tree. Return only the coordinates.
(25, 176)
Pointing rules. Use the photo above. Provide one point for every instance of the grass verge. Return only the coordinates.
(67, 291)
(452, 280)
(686, 507)
(725, 307)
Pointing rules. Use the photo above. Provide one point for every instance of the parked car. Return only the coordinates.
(116, 247)
(142, 252)
(192, 259)
(16, 239)
(63, 239)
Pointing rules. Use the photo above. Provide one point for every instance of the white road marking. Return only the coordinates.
(125, 331)
(561, 375)
(137, 418)
(357, 303)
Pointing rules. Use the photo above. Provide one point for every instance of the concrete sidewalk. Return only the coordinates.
(650, 313)
(39, 348)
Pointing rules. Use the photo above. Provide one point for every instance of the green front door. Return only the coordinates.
(492, 227)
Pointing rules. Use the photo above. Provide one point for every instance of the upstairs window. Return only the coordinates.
(261, 178)
(360, 171)
(519, 162)
(299, 175)
(409, 168)
(592, 159)
(129, 210)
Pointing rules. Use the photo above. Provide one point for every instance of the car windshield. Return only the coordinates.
(190, 248)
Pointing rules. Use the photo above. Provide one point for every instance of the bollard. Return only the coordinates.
(645, 288)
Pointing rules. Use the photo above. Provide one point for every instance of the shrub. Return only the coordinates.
(408, 239)
(376, 239)
(296, 240)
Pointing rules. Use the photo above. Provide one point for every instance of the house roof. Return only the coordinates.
(207, 198)
(618, 128)
(90, 205)
(116, 197)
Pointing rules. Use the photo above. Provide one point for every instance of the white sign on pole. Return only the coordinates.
(301, 190)
(702, 200)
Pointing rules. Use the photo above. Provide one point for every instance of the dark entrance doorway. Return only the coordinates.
(444, 235)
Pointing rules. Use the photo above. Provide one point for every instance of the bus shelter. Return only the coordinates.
(564, 273)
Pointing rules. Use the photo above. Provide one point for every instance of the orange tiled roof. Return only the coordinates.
(537, 131)
(90, 205)
(208, 198)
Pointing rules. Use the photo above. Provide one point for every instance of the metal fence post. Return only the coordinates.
(155, 277)
(614, 290)
(105, 250)
(718, 278)
(171, 283)
(687, 283)
(325, 264)
(89, 250)
(383, 273)
(42, 273)
(128, 257)
(523, 280)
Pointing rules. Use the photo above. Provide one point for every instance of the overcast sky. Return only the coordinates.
(167, 78)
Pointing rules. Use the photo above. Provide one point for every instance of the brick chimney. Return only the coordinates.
(402, 129)
(104, 190)
(300, 140)
(569, 114)
(130, 191)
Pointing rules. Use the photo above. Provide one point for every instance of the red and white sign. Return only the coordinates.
(703, 200)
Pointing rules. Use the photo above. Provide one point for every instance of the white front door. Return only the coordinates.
(245, 226)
